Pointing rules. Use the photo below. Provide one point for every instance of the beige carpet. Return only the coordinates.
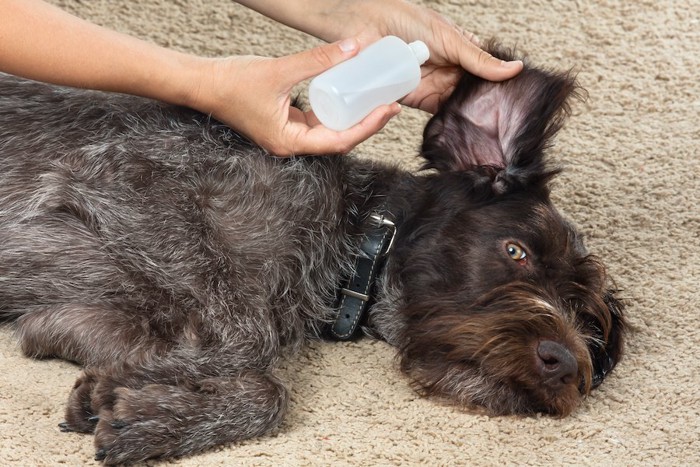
(632, 184)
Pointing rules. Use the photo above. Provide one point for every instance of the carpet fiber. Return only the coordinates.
(632, 184)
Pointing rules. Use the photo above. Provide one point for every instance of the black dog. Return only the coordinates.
(178, 262)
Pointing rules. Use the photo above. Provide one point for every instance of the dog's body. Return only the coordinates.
(178, 262)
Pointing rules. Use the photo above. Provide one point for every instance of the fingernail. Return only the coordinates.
(513, 64)
(348, 45)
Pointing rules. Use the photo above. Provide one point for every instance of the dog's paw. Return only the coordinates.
(91, 395)
(162, 420)
(141, 424)
(80, 415)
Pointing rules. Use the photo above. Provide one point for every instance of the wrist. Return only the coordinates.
(367, 19)
(175, 79)
(202, 84)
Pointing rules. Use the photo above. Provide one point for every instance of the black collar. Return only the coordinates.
(355, 294)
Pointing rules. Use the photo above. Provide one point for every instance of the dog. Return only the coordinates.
(178, 262)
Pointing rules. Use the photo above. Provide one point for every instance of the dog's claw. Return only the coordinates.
(101, 454)
(119, 424)
(93, 419)
(63, 426)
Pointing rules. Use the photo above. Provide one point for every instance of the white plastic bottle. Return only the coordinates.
(382, 73)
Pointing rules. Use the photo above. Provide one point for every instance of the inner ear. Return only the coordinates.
(489, 120)
(482, 115)
(464, 132)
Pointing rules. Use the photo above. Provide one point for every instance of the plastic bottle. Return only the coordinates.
(382, 73)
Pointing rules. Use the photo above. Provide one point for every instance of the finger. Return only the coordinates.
(321, 140)
(479, 62)
(471, 37)
(310, 63)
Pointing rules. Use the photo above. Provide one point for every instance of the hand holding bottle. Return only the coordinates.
(379, 75)
(252, 94)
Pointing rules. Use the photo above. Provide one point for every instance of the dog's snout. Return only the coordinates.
(556, 364)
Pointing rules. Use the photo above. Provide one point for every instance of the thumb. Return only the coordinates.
(310, 63)
(481, 63)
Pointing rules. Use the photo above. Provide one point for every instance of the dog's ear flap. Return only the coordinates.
(605, 357)
(505, 125)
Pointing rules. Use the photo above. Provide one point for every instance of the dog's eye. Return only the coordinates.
(516, 252)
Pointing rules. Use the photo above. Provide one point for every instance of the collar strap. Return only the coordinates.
(355, 294)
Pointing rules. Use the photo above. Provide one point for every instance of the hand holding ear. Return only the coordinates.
(452, 50)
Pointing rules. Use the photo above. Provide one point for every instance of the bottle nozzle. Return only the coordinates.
(420, 50)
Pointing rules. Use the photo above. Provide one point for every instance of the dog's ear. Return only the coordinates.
(606, 356)
(506, 126)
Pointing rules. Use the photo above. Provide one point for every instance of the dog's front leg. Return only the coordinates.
(162, 420)
(173, 406)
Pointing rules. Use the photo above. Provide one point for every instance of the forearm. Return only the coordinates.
(329, 20)
(42, 42)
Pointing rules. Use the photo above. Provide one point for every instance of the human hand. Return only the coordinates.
(452, 49)
(252, 95)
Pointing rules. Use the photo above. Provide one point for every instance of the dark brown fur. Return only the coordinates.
(177, 262)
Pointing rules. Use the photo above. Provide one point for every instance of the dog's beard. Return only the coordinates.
(487, 355)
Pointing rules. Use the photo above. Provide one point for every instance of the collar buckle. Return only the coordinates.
(381, 221)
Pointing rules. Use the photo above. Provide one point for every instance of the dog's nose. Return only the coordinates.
(556, 364)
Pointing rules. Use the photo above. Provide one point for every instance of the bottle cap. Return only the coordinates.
(420, 50)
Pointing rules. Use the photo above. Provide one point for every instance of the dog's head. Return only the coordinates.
(500, 306)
